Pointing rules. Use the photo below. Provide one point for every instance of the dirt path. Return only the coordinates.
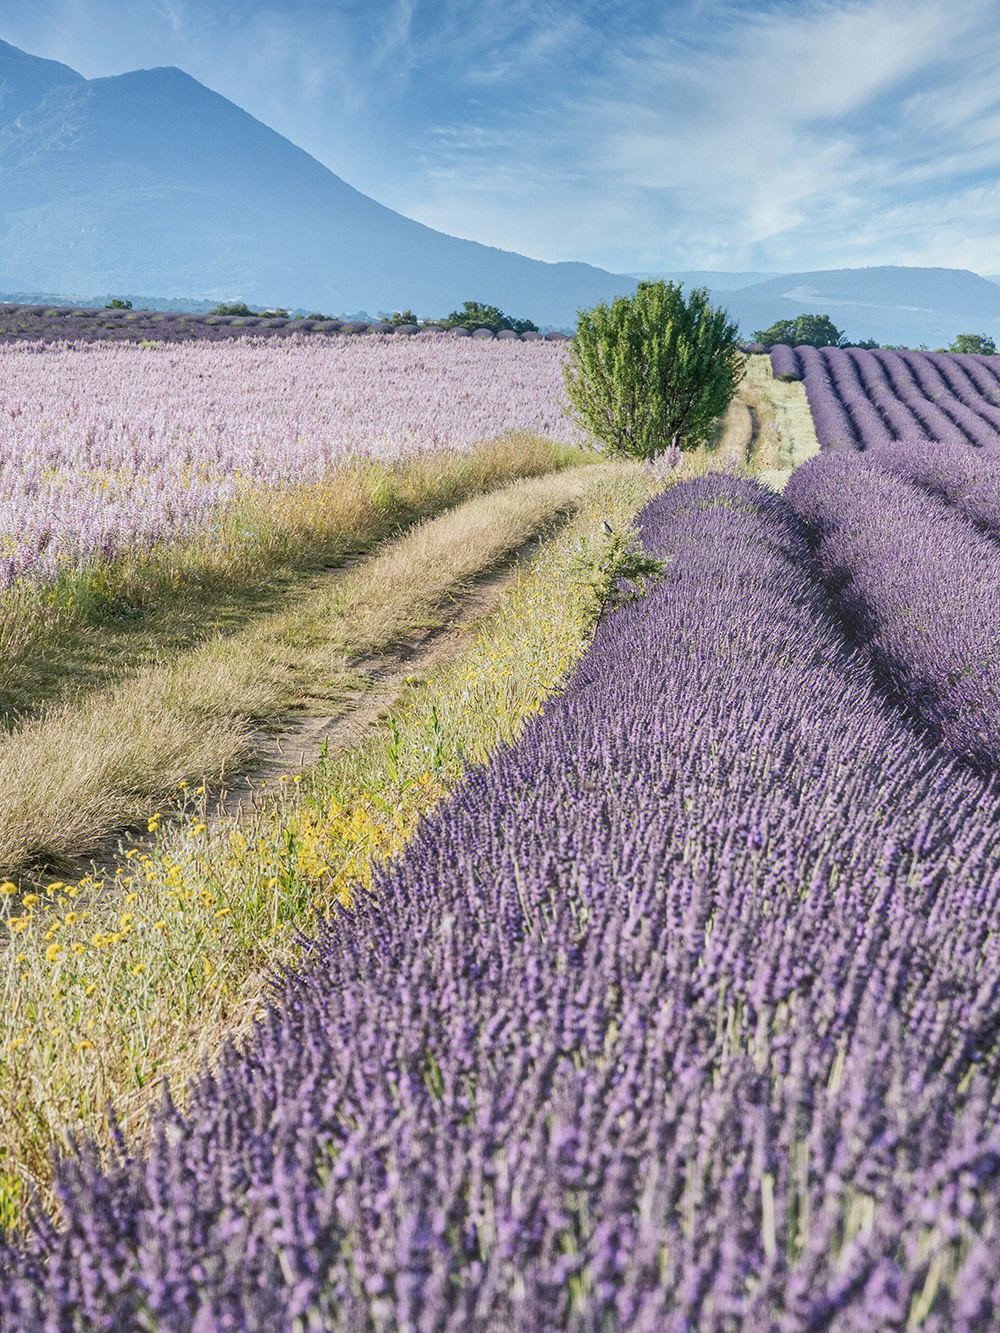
(299, 744)
(299, 740)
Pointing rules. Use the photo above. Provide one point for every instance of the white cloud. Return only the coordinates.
(775, 135)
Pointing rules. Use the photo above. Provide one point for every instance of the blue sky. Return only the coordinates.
(634, 135)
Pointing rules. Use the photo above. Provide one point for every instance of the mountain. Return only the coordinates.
(150, 182)
(25, 81)
(891, 304)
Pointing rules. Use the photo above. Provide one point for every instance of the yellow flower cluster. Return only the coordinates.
(338, 846)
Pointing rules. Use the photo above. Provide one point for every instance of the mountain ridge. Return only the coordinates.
(890, 303)
(174, 187)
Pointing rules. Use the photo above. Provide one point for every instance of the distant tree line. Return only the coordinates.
(820, 331)
(473, 315)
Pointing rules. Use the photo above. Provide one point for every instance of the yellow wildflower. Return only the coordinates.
(30, 899)
(53, 952)
(7, 888)
(19, 923)
(71, 918)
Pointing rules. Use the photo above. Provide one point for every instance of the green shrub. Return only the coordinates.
(653, 371)
(802, 331)
(475, 315)
(979, 343)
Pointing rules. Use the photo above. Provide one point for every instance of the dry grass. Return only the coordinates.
(81, 770)
(786, 436)
(99, 622)
(108, 992)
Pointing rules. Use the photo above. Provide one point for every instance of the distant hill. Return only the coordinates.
(891, 304)
(150, 182)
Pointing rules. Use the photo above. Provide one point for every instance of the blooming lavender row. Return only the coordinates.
(918, 586)
(682, 1014)
(862, 398)
(967, 479)
(111, 445)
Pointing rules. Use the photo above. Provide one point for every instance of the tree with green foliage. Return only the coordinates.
(653, 370)
(116, 303)
(475, 315)
(802, 331)
(403, 317)
(231, 308)
(979, 343)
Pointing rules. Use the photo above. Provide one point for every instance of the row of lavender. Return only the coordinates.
(903, 510)
(77, 324)
(112, 445)
(681, 1014)
(861, 398)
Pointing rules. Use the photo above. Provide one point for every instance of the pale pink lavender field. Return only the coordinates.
(109, 445)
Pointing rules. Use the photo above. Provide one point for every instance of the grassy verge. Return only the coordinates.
(74, 775)
(107, 994)
(104, 619)
(787, 436)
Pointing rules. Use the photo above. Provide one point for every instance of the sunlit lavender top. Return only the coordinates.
(107, 445)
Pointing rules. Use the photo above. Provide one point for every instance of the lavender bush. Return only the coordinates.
(967, 479)
(682, 1014)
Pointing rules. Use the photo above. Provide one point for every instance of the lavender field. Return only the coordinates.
(681, 1012)
(108, 446)
(861, 398)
